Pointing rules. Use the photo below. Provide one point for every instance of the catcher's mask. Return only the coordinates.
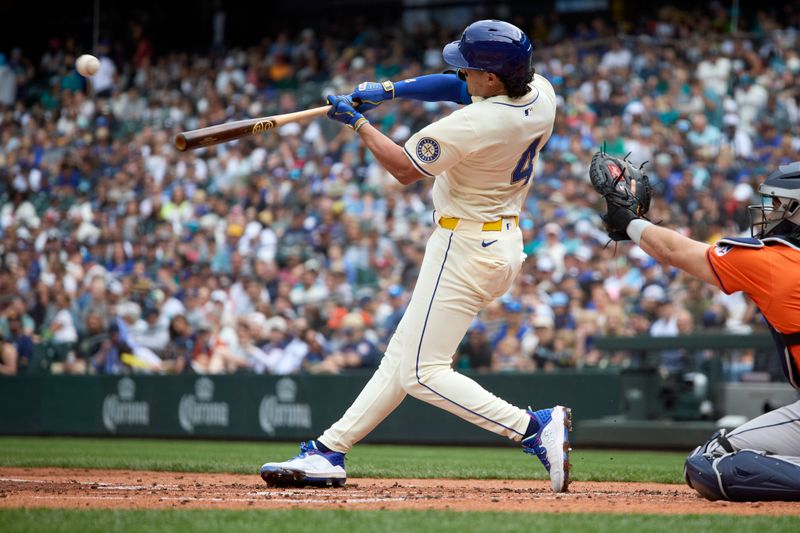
(779, 210)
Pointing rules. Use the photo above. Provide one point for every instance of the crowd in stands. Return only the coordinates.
(296, 252)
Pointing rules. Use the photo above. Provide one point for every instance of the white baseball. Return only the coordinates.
(87, 65)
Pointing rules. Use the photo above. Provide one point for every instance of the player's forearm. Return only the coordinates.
(389, 154)
(434, 88)
(670, 247)
(659, 243)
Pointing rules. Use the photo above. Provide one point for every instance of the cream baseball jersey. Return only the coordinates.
(483, 154)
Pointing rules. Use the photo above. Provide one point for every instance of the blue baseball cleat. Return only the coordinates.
(551, 443)
(310, 467)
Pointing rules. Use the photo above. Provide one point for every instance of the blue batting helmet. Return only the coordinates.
(494, 46)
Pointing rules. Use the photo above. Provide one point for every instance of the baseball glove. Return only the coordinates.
(626, 190)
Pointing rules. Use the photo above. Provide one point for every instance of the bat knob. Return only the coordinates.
(180, 142)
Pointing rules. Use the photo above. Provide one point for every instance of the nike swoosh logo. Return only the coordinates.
(485, 244)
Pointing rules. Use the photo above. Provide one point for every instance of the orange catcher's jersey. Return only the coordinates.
(483, 154)
(770, 275)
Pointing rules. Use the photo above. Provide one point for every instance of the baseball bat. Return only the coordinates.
(229, 131)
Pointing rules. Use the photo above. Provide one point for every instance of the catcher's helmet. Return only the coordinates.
(779, 210)
(494, 46)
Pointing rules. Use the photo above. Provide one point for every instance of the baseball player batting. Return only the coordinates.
(759, 460)
(481, 158)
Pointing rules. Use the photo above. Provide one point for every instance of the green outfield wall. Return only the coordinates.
(621, 407)
(270, 407)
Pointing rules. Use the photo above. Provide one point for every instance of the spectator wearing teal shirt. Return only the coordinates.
(704, 137)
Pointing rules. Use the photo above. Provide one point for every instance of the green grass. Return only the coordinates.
(363, 461)
(25, 520)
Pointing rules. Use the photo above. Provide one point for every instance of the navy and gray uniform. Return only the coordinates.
(759, 460)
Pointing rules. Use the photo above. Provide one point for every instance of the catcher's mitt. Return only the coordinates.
(626, 190)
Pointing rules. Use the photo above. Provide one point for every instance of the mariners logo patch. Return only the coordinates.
(428, 150)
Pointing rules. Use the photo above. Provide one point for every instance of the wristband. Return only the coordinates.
(636, 228)
(360, 121)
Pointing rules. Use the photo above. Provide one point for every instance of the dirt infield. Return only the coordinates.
(119, 489)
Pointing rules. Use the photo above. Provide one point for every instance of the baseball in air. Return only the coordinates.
(87, 65)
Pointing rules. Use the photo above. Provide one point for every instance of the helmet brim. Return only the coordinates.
(452, 56)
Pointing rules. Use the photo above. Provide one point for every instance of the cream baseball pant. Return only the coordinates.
(462, 271)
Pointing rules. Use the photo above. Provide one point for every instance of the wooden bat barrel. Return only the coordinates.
(230, 131)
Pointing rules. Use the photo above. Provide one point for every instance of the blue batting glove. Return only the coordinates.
(343, 110)
(369, 94)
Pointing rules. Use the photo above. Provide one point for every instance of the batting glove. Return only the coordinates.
(343, 110)
(369, 94)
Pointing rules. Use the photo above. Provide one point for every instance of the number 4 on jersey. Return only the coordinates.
(524, 169)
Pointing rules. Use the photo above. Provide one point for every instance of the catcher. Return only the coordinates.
(759, 460)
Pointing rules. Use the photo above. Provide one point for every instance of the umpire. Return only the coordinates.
(759, 460)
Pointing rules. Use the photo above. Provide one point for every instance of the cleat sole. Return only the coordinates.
(282, 477)
(567, 447)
